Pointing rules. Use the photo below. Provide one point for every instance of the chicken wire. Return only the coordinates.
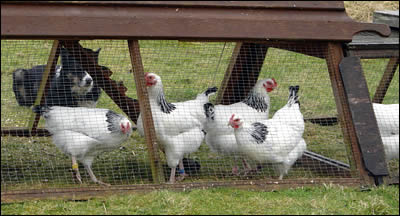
(186, 70)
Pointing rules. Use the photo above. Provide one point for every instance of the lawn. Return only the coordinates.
(325, 199)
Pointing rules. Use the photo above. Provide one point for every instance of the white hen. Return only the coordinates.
(83, 133)
(278, 140)
(220, 137)
(387, 117)
(179, 126)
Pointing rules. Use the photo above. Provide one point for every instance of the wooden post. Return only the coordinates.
(386, 79)
(243, 71)
(363, 118)
(147, 118)
(334, 55)
(45, 84)
(228, 71)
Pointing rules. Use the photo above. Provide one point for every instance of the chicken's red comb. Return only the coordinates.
(233, 115)
(275, 83)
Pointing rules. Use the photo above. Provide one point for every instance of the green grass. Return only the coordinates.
(326, 199)
(186, 69)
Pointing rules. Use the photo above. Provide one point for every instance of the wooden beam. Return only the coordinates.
(228, 71)
(147, 117)
(47, 76)
(292, 20)
(334, 55)
(386, 80)
(246, 68)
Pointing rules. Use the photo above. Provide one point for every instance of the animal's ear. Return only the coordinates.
(92, 54)
(96, 55)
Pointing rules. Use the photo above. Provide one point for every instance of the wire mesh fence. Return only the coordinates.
(194, 127)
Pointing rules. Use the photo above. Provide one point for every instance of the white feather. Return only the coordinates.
(387, 117)
(391, 147)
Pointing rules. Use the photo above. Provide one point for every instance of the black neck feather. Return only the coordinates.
(164, 105)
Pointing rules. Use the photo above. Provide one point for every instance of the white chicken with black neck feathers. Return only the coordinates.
(83, 133)
(178, 126)
(220, 137)
(278, 140)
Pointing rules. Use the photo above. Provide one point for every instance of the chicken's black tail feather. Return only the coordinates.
(293, 97)
(40, 109)
(211, 91)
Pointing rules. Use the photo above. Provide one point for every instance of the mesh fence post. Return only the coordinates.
(386, 80)
(334, 55)
(148, 125)
(44, 85)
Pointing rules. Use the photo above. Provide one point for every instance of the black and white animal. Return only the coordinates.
(387, 117)
(83, 133)
(278, 140)
(71, 86)
(179, 126)
(220, 137)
